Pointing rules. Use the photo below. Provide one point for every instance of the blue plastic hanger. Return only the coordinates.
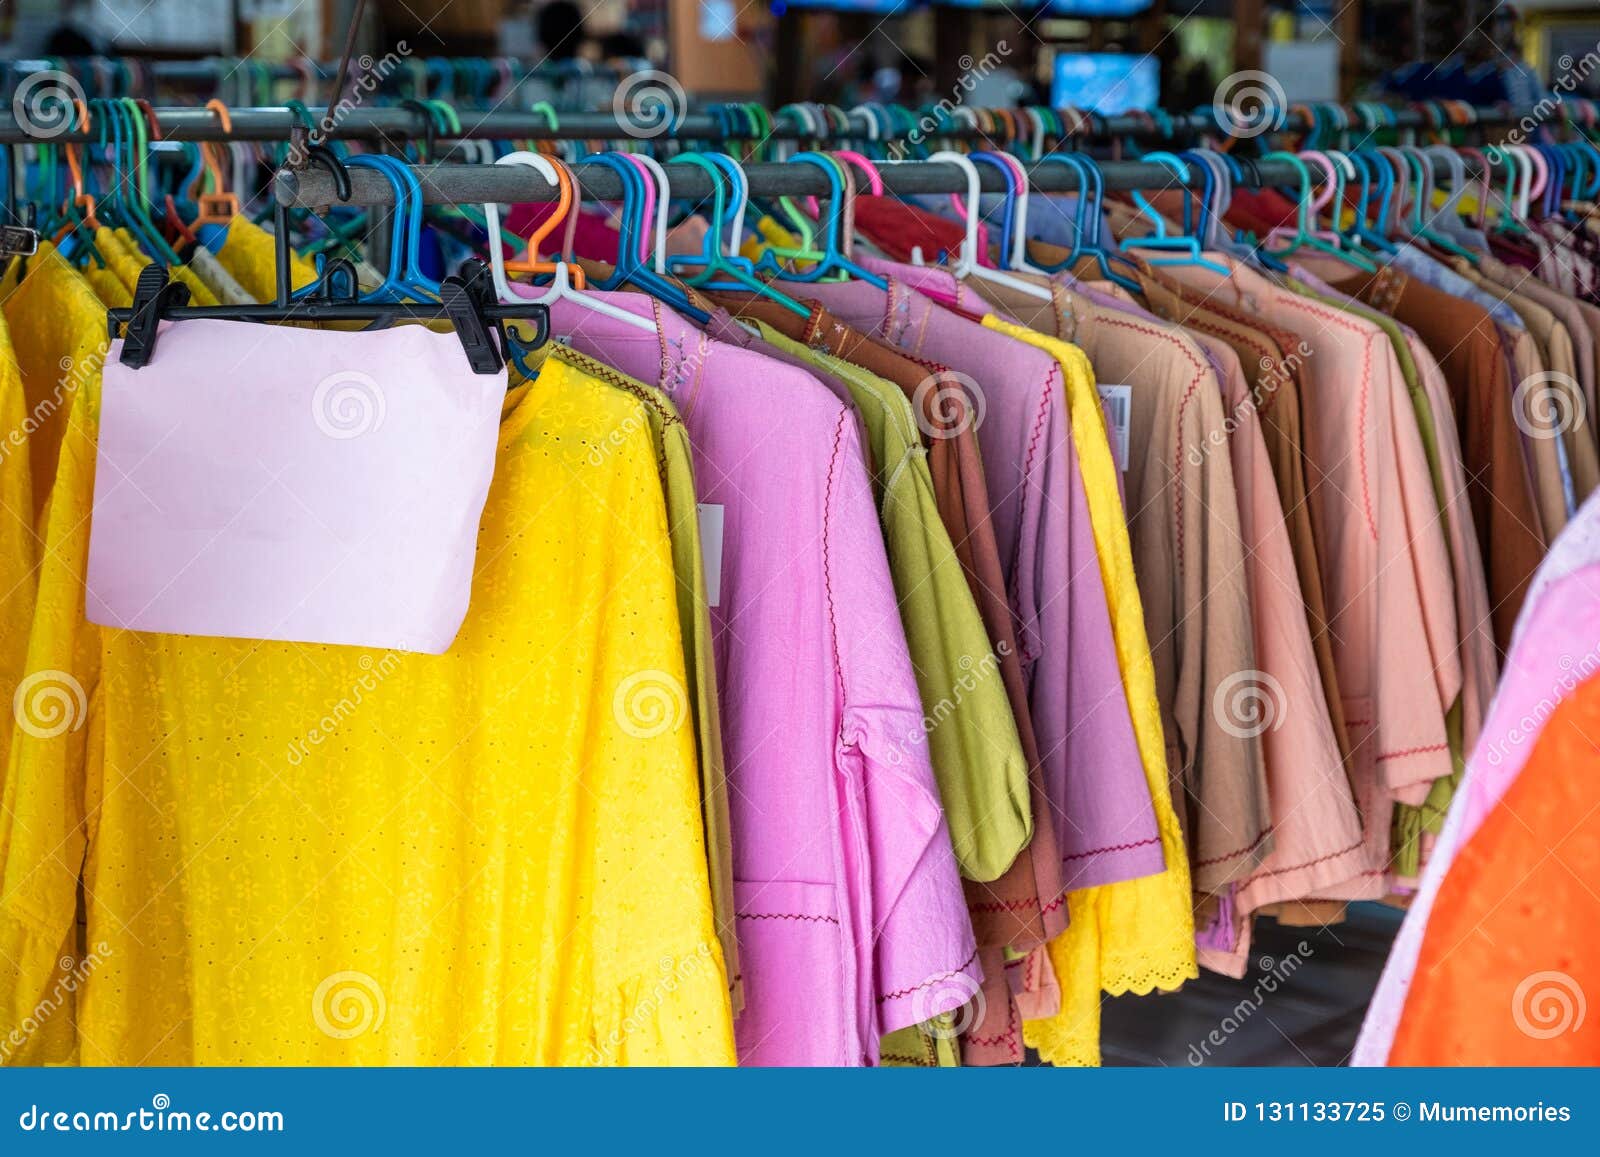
(629, 269)
(833, 259)
(738, 273)
(404, 279)
(1086, 225)
(1008, 210)
(1184, 249)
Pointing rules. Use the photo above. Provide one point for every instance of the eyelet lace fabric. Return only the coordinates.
(297, 854)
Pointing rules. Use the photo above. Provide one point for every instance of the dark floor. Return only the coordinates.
(1292, 1008)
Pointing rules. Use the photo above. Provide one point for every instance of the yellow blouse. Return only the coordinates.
(19, 548)
(58, 330)
(333, 855)
(127, 260)
(250, 254)
(1136, 935)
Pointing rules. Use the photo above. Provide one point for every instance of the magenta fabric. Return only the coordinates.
(851, 918)
(1104, 816)
(1552, 654)
(269, 482)
(594, 239)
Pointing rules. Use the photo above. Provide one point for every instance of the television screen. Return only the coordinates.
(1106, 83)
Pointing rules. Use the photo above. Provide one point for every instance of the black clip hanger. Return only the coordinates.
(153, 295)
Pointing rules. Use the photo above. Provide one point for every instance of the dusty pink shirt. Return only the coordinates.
(1371, 499)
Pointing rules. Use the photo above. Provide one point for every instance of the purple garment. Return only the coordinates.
(851, 918)
(1093, 776)
(1553, 652)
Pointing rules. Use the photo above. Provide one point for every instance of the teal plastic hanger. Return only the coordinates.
(711, 261)
(831, 259)
(1178, 249)
(1086, 222)
(1305, 236)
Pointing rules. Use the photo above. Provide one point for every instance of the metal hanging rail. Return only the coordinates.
(213, 69)
(450, 184)
(398, 123)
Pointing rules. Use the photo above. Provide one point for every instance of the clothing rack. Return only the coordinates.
(453, 184)
(216, 69)
(277, 123)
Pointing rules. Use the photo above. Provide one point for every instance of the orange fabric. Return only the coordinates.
(1512, 953)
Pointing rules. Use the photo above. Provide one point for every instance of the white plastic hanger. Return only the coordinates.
(966, 265)
(1019, 227)
(561, 282)
(663, 196)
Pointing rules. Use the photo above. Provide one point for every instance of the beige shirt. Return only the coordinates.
(1557, 324)
(1183, 517)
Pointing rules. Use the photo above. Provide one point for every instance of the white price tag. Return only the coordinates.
(711, 550)
(1118, 404)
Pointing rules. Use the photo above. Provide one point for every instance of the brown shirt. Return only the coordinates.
(1463, 339)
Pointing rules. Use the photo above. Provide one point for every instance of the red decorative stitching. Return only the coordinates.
(915, 1062)
(1248, 880)
(1250, 847)
(1111, 848)
(1014, 594)
(1003, 905)
(1243, 337)
(786, 916)
(1406, 752)
(1339, 319)
(936, 978)
(1183, 404)
(827, 535)
(1007, 1038)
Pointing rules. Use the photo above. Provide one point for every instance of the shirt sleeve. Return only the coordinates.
(661, 995)
(1093, 773)
(46, 815)
(1417, 634)
(1220, 684)
(909, 908)
(973, 744)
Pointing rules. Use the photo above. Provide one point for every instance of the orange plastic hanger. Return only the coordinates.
(564, 201)
(80, 199)
(218, 207)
